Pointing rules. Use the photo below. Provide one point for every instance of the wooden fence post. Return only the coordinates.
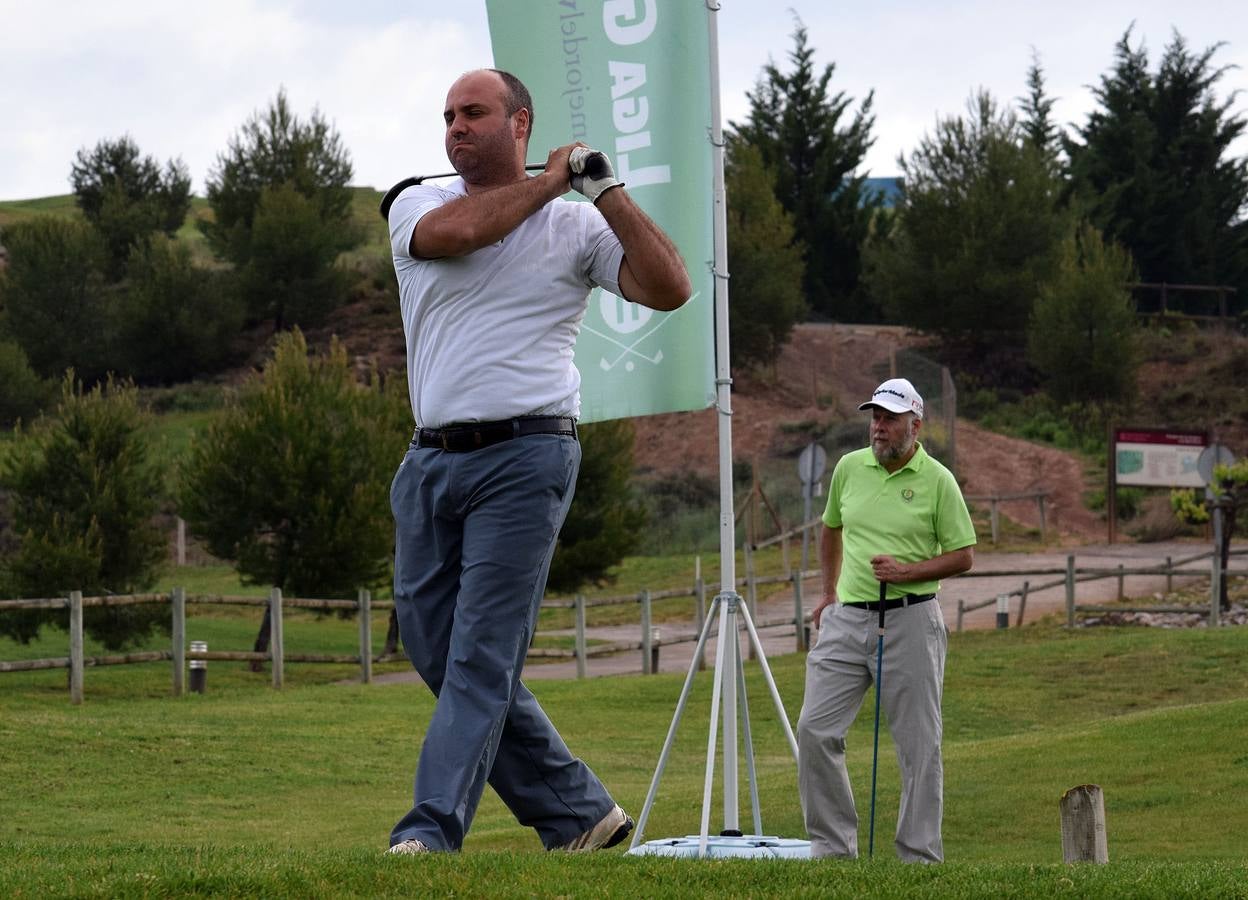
(645, 633)
(993, 517)
(1121, 591)
(276, 651)
(581, 662)
(1070, 590)
(178, 638)
(1022, 603)
(1083, 825)
(365, 600)
(1169, 577)
(75, 647)
(961, 609)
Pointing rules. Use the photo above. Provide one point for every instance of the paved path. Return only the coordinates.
(779, 639)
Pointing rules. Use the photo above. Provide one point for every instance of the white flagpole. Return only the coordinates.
(723, 395)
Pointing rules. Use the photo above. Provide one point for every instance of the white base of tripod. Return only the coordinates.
(748, 845)
(729, 680)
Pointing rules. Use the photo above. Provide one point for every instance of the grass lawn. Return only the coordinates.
(250, 791)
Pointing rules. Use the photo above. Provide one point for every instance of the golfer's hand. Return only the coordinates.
(558, 167)
(592, 174)
(888, 569)
(816, 614)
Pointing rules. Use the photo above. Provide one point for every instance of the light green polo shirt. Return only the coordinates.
(916, 513)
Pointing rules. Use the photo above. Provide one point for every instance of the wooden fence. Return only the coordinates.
(648, 641)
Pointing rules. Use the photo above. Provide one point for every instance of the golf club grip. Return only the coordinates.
(596, 165)
(883, 597)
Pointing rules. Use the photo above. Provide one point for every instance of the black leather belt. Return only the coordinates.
(895, 603)
(461, 438)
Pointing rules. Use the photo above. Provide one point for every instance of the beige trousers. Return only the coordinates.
(839, 669)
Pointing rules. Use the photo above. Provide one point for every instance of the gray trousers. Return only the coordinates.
(839, 669)
(474, 535)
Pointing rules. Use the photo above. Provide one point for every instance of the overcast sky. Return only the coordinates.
(181, 78)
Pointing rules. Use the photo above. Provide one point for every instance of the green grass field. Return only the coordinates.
(249, 791)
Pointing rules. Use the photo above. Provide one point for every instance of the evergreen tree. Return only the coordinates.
(84, 495)
(765, 261)
(1085, 313)
(22, 392)
(57, 306)
(979, 231)
(1038, 128)
(128, 196)
(1155, 171)
(174, 319)
(282, 213)
(292, 481)
(797, 126)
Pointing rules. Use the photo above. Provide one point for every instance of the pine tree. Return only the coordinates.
(1085, 313)
(979, 231)
(1036, 121)
(764, 259)
(1154, 167)
(128, 197)
(84, 495)
(797, 126)
(281, 206)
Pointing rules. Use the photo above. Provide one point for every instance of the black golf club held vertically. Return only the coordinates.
(875, 752)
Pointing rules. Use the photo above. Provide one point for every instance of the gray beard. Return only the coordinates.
(891, 453)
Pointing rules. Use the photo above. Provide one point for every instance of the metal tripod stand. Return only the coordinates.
(728, 684)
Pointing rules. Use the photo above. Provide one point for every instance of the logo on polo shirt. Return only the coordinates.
(907, 494)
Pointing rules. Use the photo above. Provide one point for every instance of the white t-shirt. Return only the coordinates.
(490, 334)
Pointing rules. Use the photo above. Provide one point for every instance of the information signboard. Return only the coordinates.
(1158, 457)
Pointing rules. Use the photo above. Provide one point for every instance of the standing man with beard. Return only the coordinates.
(494, 273)
(894, 515)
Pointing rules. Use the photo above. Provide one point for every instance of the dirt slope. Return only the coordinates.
(824, 373)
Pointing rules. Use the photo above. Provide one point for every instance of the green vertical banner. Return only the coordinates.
(630, 78)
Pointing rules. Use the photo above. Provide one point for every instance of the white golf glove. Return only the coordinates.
(592, 174)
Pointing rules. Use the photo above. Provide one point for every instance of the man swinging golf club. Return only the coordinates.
(895, 524)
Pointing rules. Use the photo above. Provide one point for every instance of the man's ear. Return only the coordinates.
(521, 123)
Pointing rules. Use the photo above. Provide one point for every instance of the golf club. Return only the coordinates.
(388, 200)
(593, 168)
(875, 753)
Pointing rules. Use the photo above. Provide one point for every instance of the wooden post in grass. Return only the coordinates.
(580, 636)
(646, 634)
(277, 652)
(1070, 591)
(366, 635)
(1121, 592)
(1169, 577)
(1022, 603)
(1083, 825)
(178, 639)
(75, 647)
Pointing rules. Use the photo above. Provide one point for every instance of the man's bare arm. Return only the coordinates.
(652, 272)
(477, 220)
(830, 555)
(955, 562)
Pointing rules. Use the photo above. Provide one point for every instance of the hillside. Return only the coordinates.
(1189, 377)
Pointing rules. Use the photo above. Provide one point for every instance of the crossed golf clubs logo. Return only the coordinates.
(623, 317)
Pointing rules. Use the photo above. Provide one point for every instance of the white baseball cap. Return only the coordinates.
(896, 395)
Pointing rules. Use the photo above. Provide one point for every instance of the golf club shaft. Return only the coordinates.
(875, 752)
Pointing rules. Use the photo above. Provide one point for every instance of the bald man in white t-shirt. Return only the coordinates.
(494, 273)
